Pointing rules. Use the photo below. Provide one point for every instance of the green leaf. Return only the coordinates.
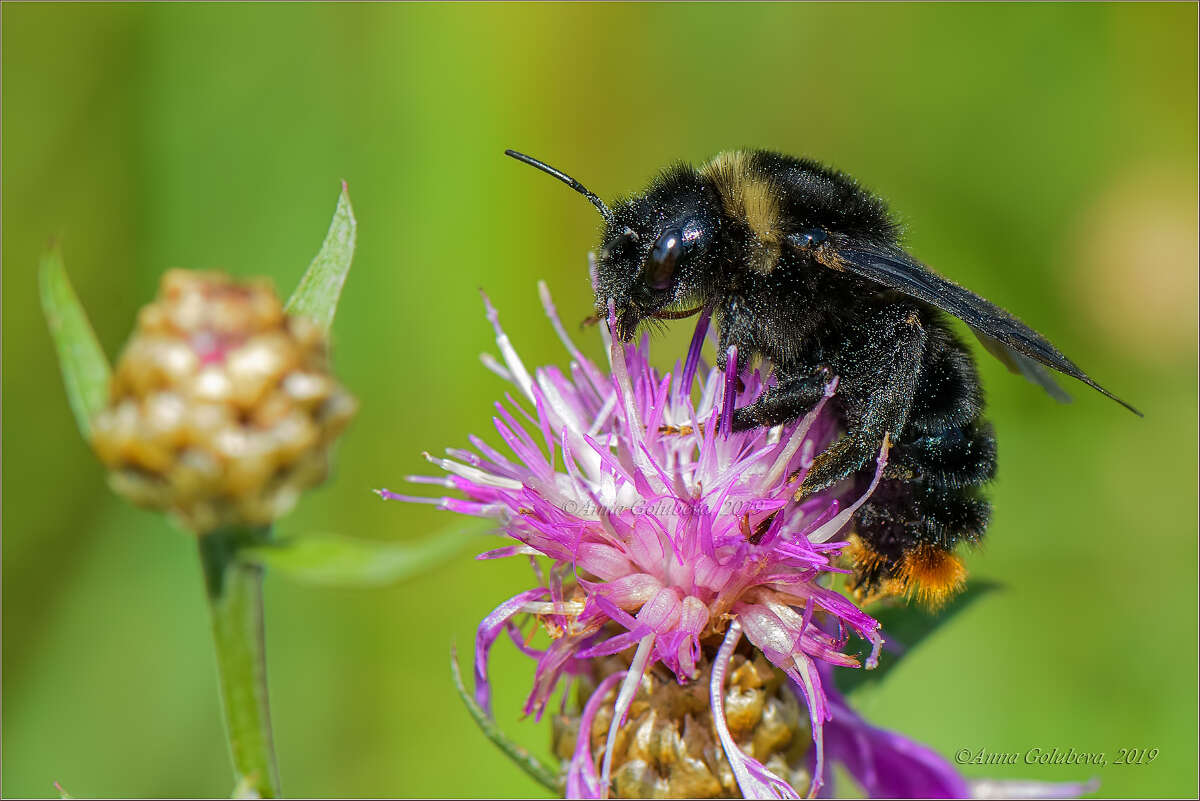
(317, 295)
(526, 761)
(85, 370)
(908, 626)
(344, 562)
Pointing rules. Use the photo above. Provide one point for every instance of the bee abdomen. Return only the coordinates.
(953, 459)
(947, 395)
(946, 517)
(931, 498)
(906, 536)
(903, 514)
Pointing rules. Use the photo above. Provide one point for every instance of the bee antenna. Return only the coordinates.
(566, 179)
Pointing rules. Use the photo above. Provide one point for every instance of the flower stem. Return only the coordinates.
(236, 606)
(522, 758)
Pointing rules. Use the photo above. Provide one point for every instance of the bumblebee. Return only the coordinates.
(803, 267)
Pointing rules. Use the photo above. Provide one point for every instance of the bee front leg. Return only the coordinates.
(881, 392)
(736, 330)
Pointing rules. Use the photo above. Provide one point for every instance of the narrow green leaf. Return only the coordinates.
(344, 562)
(526, 761)
(84, 368)
(908, 627)
(317, 295)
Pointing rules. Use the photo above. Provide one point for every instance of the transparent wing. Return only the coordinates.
(1014, 343)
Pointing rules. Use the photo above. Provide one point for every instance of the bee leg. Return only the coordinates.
(736, 331)
(787, 400)
(842, 459)
(894, 355)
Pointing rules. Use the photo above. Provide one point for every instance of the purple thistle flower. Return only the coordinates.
(673, 537)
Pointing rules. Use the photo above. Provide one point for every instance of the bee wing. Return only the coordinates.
(1014, 343)
(1021, 364)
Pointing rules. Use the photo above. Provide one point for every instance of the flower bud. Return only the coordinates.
(221, 409)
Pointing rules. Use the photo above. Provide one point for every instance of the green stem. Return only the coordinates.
(236, 606)
(522, 758)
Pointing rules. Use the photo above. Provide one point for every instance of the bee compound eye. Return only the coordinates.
(660, 264)
(814, 237)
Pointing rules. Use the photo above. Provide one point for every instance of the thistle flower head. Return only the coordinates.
(222, 409)
(668, 533)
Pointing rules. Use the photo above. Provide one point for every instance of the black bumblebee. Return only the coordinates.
(803, 267)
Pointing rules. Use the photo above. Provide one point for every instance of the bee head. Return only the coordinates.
(650, 265)
(651, 260)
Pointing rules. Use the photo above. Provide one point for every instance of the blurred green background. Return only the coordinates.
(1044, 155)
